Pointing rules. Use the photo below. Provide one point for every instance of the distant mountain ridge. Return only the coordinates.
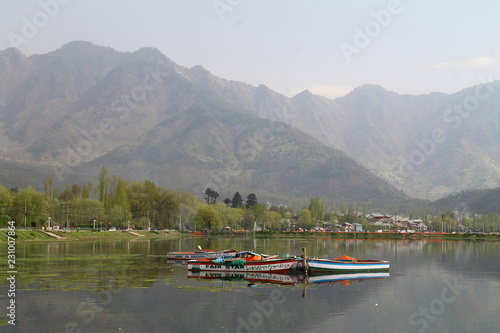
(477, 201)
(428, 145)
(139, 114)
(83, 106)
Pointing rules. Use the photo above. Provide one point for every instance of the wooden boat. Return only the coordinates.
(250, 277)
(211, 254)
(248, 264)
(346, 264)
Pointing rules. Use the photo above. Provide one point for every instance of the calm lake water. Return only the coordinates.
(433, 286)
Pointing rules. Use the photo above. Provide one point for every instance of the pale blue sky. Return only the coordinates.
(326, 46)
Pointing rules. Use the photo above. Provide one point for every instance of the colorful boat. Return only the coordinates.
(346, 264)
(211, 254)
(274, 265)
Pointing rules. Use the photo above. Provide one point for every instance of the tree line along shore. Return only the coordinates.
(112, 202)
(89, 235)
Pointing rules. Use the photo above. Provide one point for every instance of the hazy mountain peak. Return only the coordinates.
(198, 69)
(12, 57)
(80, 46)
(368, 89)
(12, 52)
(263, 87)
(303, 94)
(199, 72)
(151, 54)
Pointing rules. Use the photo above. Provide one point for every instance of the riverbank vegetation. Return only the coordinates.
(77, 235)
(88, 235)
(113, 202)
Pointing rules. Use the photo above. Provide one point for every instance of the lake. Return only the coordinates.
(109, 286)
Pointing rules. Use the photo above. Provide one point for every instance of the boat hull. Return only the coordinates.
(325, 265)
(201, 254)
(271, 265)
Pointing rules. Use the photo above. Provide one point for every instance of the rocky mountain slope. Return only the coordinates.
(139, 114)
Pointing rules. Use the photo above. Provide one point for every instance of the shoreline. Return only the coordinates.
(86, 235)
(23, 235)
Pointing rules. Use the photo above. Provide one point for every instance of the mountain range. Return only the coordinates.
(69, 112)
(427, 145)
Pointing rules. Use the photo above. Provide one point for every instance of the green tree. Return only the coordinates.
(237, 201)
(76, 190)
(188, 203)
(103, 179)
(317, 208)
(48, 188)
(86, 190)
(211, 196)
(364, 221)
(305, 219)
(273, 221)
(83, 212)
(248, 219)
(118, 216)
(167, 205)
(6, 202)
(258, 211)
(120, 198)
(230, 217)
(29, 206)
(251, 200)
(136, 196)
(67, 194)
(208, 218)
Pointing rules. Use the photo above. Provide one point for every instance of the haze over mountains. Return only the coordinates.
(67, 113)
(428, 145)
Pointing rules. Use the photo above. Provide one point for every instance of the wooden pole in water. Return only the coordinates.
(304, 261)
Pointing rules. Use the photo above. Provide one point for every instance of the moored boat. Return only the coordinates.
(211, 254)
(347, 264)
(274, 265)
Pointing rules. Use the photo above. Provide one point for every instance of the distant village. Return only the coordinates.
(376, 222)
(386, 222)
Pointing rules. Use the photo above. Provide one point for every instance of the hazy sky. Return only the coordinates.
(326, 46)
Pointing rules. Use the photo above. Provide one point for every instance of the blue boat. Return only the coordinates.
(347, 264)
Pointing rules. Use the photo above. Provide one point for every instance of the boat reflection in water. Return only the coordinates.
(250, 277)
(345, 278)
(288, 279)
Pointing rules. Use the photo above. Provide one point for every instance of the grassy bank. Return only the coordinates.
(37, 235)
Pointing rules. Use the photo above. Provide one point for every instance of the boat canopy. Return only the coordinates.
(346, 258)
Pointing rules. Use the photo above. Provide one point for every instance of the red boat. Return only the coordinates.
(250, 262)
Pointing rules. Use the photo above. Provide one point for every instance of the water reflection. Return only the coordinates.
(102, 286)
(250, 277)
